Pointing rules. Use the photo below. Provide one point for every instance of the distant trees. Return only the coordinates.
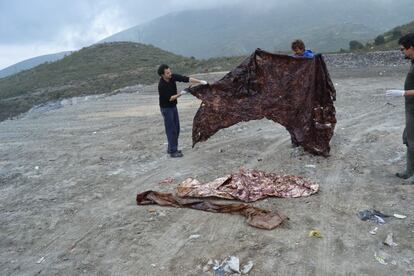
(385, 41)
(379, 40)
(396, 33)
(355, 45)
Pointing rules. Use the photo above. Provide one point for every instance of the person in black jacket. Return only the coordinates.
(167, 89)
(407, 48)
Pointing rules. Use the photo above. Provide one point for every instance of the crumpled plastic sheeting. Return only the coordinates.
(256, 217)
(294, 92)
(373, 215)
(249, 185)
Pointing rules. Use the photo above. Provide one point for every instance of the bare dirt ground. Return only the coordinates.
(69, 177)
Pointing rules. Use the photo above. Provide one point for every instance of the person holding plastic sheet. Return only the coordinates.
(167, 89)
(407, 48)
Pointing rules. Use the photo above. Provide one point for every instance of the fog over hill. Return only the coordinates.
(239, 29)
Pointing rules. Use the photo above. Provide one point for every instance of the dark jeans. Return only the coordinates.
(172, 127)
(408, 134)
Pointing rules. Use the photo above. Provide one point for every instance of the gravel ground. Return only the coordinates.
(69, 177)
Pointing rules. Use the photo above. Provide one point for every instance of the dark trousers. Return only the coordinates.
(408, 140)
(172, 127)
(408, 134)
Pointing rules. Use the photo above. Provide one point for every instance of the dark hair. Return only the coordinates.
(298, 44)
(162, 68)
(407, 41)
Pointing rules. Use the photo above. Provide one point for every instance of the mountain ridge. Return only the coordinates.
(237, 31)
(32, 62)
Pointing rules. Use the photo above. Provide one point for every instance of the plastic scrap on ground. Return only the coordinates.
(390, 240)
(373, 215)
(374, 231)
(315, 233)
(384, 258)
(168, 180)
(249, 185)
(230, 265)
(256, 217)
(399, 216)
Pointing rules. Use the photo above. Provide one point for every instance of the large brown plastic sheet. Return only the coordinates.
(249, 185)
(256, 217)
(294, 92)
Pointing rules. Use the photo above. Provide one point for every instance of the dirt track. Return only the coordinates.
(69, 178)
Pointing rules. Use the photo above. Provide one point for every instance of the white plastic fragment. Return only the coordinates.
(389, 240)
(161, 214)
(380, 220)
(41, 260)
(400, 216)
(232, 265)
(216, 265)
(380, 259)
(247, 267)
(193, 237)
(373, 231)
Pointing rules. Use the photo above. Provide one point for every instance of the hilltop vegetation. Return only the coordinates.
(385, 41)
(97, 69)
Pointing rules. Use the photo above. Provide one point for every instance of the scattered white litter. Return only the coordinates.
(247, 267)
(373, 231)
(400, 216)
(41, 260)
(390, 240)
(380, 259)
(233, 265)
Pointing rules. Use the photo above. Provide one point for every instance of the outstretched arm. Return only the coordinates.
(399, 93)
(194, 80)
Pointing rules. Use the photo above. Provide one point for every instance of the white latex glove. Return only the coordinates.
(395, 93)
(183, 92)
(203, 82)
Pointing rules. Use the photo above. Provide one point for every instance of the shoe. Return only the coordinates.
(169, 152)
(409, 181)
(409, 172)
(402, 175)
(176, 154)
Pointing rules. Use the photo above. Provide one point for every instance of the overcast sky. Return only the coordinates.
(30, 28)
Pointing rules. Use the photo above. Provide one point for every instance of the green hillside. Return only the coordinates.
(97, 69)
(385, 41)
